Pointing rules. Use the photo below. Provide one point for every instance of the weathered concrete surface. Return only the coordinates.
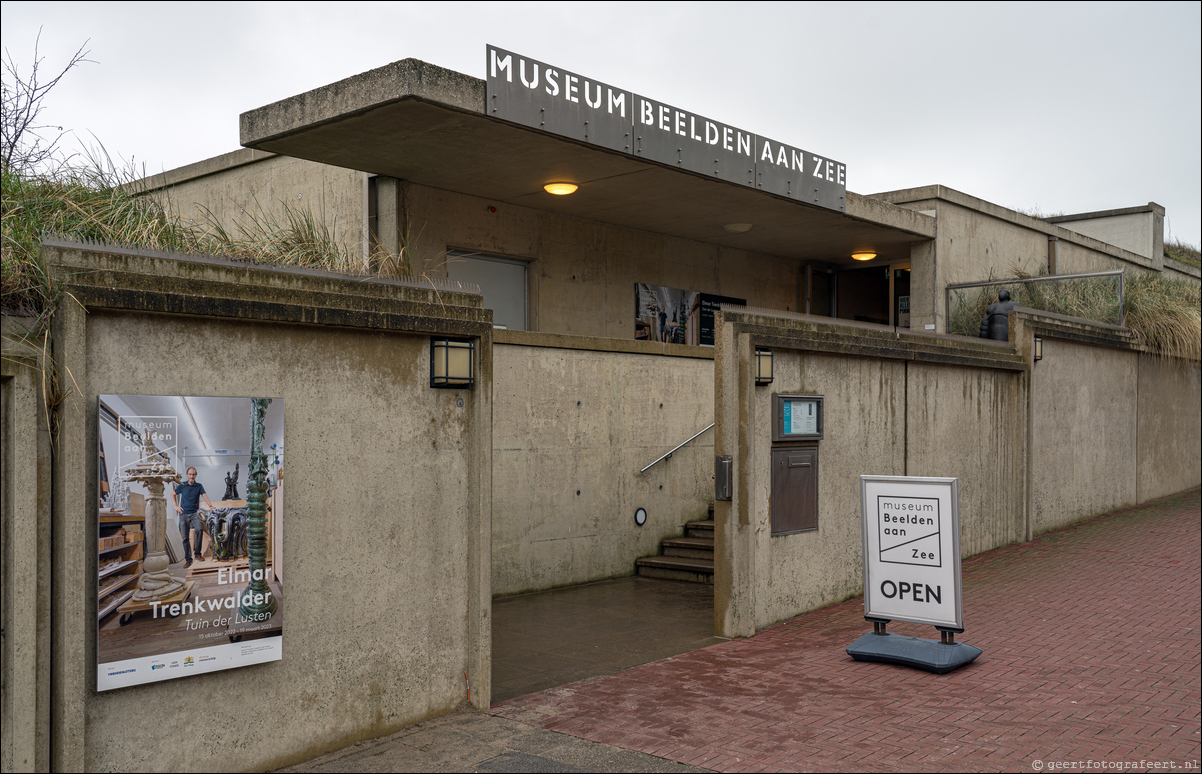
(970, 424)
(865, 403)
(1169, 426)
(24, 554)
(240, 189)
(895, 404)
(978, 240)
(388, 513)
(1137, 229)
(404, 79)
(472, 741)
(1083, 447)
(572, 428)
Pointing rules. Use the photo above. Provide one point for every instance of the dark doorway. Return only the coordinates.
(864, 295)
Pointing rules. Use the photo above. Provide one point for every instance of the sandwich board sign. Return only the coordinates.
(912, 549)
(911, 529)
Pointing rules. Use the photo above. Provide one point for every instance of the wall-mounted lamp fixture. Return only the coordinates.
(864, 256)
(763, 367)
(560, 189)
(452, 363)
(1038, 349)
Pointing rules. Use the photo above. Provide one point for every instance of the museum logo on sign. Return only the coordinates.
(909, 530)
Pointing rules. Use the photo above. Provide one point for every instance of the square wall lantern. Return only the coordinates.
(1038, 348)
(452, 363)
(763, 367)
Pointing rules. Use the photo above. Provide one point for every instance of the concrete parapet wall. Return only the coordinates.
(388, 508)
(575, 419)
(895, 404)
(1111, 424)
(1097, 424)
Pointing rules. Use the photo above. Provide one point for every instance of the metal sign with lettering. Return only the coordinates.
(541, 96)
(912, 549)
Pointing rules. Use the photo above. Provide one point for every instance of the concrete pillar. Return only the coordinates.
(734, 533)
(389, 214)
(74, 559)
(26, 555)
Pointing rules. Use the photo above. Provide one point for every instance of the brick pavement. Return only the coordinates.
(1092, 646)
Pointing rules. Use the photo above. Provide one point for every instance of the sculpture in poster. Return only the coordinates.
(118, 499)
(231, 484)
(152, 470)
(256, 518)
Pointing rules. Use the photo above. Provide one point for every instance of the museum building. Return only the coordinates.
(637, 291)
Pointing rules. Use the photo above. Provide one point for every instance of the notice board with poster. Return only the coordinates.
(187, 578)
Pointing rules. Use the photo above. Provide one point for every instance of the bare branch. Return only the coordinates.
(25, 144)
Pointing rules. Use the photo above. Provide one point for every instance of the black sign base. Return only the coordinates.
(931, 655)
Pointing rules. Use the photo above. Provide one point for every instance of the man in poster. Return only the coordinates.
(187, 504)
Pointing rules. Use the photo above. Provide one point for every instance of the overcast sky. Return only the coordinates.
(1064, 108)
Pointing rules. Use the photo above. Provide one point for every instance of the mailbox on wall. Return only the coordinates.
(797, 426)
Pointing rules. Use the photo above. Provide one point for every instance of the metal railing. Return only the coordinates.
(1119, 308)
(676, 448)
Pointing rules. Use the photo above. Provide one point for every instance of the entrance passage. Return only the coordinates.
(557, 637)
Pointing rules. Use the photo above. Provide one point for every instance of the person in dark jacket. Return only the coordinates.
(996, 323)
(186, 498)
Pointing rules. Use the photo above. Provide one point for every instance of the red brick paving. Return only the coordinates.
(1092, 647)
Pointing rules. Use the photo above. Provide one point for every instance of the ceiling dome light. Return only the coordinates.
(737, 228)
(863, 256)
(560, 189)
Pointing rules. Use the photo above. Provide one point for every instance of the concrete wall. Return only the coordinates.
(582, 272)
(387, 539)
(1169, 425)
(240, 187)
(1084, 439)
(1095, 425)
(865, 433)
(1137, 229)
(574, 420)
(24, 556)
(978, 240)
(894, 405)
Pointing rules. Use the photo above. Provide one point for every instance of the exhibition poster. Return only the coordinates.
(190, 536)
(674, 316)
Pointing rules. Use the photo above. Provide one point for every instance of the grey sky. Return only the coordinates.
(1066, 108)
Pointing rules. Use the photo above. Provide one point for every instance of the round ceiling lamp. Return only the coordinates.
(560, 189)
(864, 256)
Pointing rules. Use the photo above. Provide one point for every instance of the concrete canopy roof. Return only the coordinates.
(414, 121)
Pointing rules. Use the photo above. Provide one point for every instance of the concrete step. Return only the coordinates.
(689, 547)
(700, 529)
(677, 568)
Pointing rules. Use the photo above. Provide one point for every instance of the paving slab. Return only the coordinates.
(469, 740)
(1092, 645)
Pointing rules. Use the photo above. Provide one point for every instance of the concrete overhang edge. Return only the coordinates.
(414, 79)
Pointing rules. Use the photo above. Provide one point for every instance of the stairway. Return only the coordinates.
(688, 558)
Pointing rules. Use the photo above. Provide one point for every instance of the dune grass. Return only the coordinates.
(1165, 313)
(93, 203)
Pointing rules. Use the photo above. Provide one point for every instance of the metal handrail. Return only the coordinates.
(677, 448)
(1120, 273)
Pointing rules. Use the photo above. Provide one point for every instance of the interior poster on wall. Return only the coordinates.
(190, 515)
(675, 316)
